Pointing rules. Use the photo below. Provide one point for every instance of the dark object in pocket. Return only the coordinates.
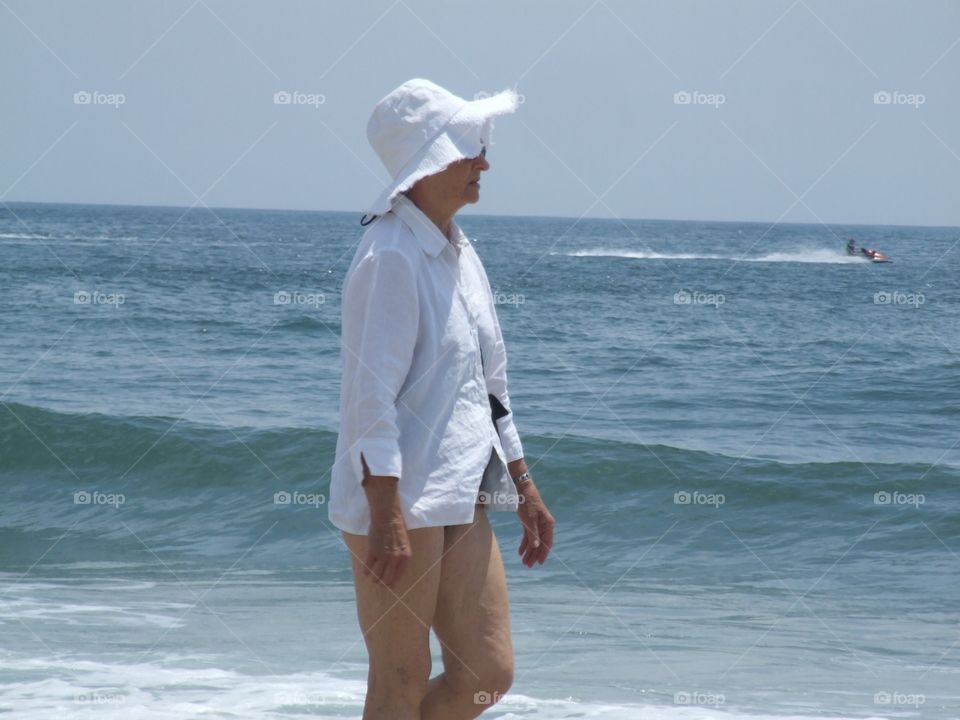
(497, 410)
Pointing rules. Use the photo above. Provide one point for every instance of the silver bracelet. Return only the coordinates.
(522, 479)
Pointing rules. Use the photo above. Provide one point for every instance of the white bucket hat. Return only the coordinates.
(419, 129)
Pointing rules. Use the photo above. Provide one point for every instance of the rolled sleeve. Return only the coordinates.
(381, 311)
(510, 438)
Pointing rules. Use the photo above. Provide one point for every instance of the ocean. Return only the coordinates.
(749, 441)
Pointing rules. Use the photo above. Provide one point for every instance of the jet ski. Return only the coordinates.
(866, 253)
(875, 256)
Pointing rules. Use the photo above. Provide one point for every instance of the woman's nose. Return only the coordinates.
(482, 162)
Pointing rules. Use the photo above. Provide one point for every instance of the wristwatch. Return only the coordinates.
(520, 479)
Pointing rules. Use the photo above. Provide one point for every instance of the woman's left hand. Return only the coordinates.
(537, 523)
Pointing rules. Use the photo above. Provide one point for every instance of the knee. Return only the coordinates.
(491, 682)
(492, 690)
(500, 677)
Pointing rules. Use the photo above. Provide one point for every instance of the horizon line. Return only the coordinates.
(478, 214)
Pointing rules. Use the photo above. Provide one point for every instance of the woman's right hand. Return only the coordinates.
(388, 547)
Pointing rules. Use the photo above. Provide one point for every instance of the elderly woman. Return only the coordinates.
(427, 442)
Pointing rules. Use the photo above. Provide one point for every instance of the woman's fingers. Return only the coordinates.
(369, 562)
(531, 557)
(376, 569)
(394, 569)
(537, 538)
(535, 533)
(531, 537)
(389, 572)
(546, 534)
(399, 568)
(388, 549)
(386, 568)
(538, 526)
(532, 545)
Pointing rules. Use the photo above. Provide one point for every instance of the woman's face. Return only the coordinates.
(459, 183)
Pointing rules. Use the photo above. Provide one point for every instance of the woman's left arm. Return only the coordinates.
(538, 524)
(494, 354)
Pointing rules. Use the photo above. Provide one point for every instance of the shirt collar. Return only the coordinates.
(427, 234)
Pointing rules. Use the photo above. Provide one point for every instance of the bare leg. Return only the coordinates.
(472, 622)
(396, 626)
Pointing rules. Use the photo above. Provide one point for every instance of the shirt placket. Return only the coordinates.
(474, 322)
(473, 319)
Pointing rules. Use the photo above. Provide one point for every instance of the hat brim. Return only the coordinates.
(503, 103)
(464, 136)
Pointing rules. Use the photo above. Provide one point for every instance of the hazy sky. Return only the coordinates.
(782, 121)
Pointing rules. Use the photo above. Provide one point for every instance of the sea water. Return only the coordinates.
(749, 440)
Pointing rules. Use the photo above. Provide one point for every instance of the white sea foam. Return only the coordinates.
(69, 237)
(22, 236)
(45, 603)
(821, 256)
(177, 688)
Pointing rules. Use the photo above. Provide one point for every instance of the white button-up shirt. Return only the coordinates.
(423, 362)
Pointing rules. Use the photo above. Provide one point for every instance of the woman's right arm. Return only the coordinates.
(388, 547)
(382, 303)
